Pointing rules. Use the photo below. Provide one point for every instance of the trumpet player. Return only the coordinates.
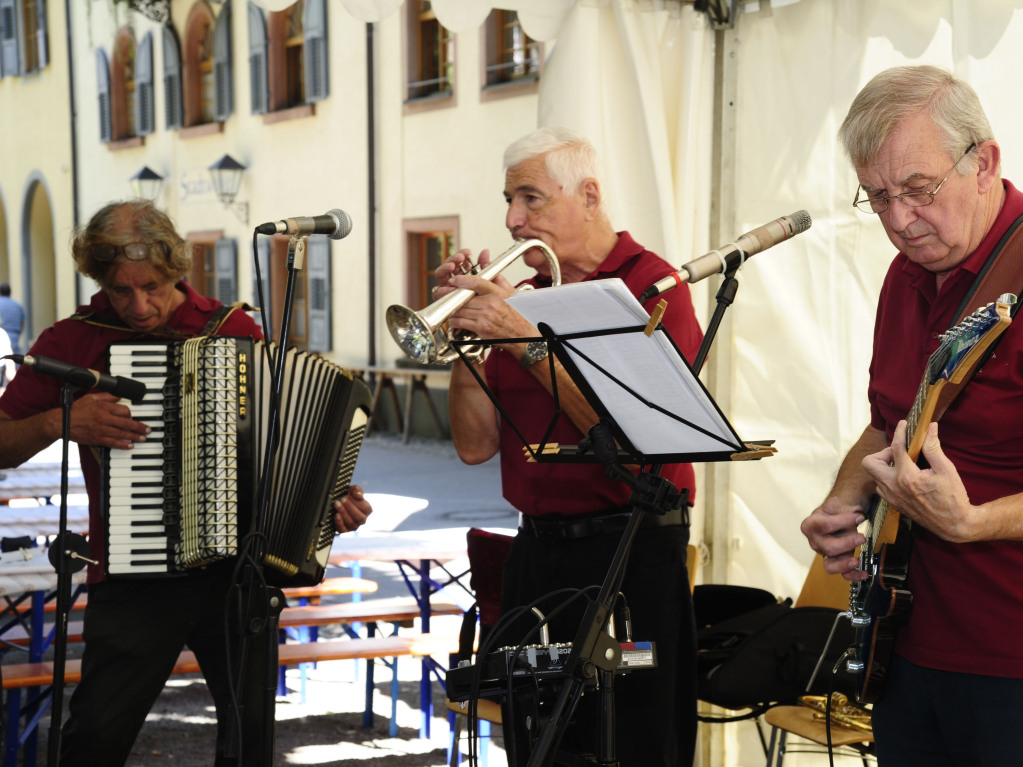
(572, 515)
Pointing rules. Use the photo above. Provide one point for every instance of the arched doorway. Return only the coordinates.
(38, 255)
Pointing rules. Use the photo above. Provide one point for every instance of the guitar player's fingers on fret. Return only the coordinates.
(935, 496)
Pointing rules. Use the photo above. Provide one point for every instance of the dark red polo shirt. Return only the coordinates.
(569, 488)
(85, 345)
(967, 613)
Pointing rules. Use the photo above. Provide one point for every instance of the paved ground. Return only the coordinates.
(419, 486)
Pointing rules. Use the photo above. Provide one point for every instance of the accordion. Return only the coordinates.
(187, 496)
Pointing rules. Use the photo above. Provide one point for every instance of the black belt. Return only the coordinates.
(585, 527)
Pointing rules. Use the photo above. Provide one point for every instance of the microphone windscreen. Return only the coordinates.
(343, 223)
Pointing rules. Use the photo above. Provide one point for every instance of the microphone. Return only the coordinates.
(727, 256)
(334, 223)
(119, 386)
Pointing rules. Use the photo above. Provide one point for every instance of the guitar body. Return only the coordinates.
(881, 603)
(880, 606)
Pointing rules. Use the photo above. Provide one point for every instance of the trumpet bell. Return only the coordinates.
(414, 335)
(423, 335)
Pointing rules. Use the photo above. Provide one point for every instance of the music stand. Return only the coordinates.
(625, 352)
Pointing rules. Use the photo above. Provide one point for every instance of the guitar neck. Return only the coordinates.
(885, 521)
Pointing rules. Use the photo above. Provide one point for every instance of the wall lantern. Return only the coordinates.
(147, 183)
(226, 174)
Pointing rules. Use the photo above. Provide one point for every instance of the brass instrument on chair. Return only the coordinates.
(842, 712)
(424, 335)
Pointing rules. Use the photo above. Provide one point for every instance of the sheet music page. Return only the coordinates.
(648, 365)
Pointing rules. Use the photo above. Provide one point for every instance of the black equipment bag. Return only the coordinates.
(766, 655)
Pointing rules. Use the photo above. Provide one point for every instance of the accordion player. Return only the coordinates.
(188, 496)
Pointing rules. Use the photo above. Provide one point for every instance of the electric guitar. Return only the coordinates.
(880, 604)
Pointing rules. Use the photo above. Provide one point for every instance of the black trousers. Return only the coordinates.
(946, 719)
(655, 709)
(134, 631)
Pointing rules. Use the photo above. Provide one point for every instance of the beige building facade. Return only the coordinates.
(398, 122)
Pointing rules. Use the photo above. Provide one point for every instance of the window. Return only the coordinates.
(429, 243)
(30, 23)
(206, 82)
(122, 86)
(23, 42)
(172, 78)
(431, 53)
(511, 55)
(214, 266)
(288, 56)
(310, 325)
(103, 95)
(199, 91)
(144, 107)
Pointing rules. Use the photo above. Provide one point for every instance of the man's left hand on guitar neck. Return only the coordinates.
(933, 497)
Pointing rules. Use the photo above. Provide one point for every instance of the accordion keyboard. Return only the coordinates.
(137, 537)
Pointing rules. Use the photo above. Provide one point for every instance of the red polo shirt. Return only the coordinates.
(85, 345)
(577, 488)
(967, 613)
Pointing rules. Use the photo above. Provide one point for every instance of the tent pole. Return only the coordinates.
(715, 489)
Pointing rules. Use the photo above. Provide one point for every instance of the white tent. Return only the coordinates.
(705, 130)
(709, 132)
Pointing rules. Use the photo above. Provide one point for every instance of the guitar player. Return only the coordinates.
(928, 167)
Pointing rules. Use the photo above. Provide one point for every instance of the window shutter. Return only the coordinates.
(227, 270)
(315, 42)
(144, 108)
(263, 254)
(9, 59)
(41, 48)
(172, 79)
(258, 60)
(318, 280)
(103, 93)
(222, 64)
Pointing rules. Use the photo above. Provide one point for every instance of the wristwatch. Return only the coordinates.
(535, 351)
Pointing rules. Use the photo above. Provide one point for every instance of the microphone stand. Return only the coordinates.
(262, 603)
(68, 554)
(725, 297)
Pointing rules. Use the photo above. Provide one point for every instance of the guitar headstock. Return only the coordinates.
(962, 345)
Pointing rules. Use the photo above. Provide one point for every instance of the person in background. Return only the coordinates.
(929, 171)
(573, 515)
(12, 316)
(134, 627)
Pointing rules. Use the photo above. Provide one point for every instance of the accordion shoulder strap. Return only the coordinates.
(212, 326)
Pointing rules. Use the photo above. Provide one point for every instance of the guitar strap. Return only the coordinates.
(1002, 273)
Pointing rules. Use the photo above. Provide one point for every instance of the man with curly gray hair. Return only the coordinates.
(135, 627)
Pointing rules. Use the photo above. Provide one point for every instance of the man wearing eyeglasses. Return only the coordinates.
(929, 170)
(135, 627)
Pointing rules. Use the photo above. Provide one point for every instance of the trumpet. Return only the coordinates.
(842, 711)
(424, 335)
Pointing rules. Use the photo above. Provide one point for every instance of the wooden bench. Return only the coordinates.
(301, 623)
(20, 675)
(24, 676)
(400, 611)
(304, 594)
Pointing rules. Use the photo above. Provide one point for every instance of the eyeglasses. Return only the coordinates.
(133, 251)
(912, 199)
